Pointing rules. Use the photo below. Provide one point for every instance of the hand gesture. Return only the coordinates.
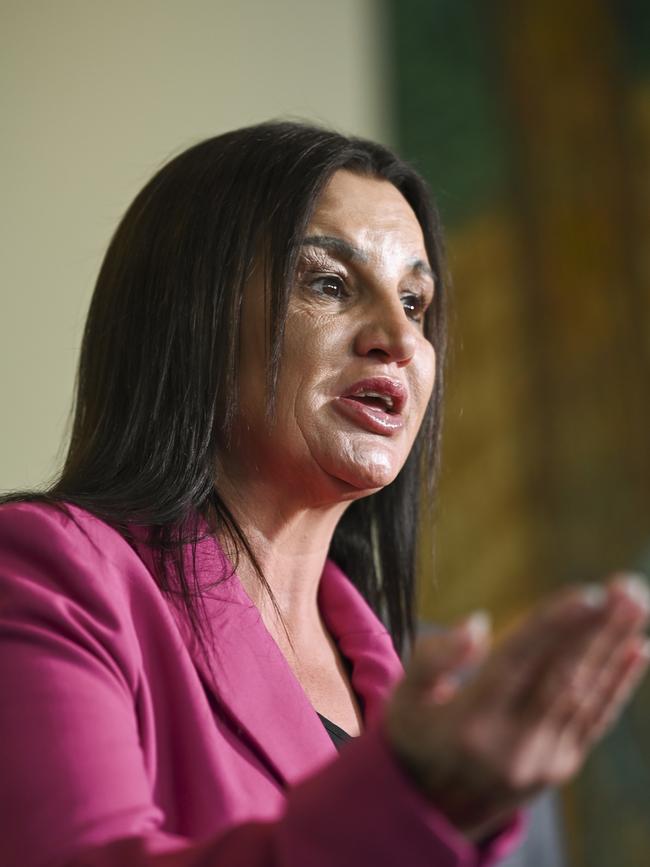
(481, 732)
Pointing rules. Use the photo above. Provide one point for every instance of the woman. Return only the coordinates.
(258, 397)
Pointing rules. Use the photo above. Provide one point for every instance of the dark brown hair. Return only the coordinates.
(157, 383)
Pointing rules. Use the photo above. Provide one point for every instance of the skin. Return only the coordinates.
(528, 710)
(347, 320)
(534, 708)
(289, 484)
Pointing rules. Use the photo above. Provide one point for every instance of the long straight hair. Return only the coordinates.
(157, 383)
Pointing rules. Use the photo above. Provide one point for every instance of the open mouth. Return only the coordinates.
(379, 401)
(379, 392)
(375, 404)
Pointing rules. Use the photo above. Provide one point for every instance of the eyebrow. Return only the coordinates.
(422, 267)
(336, 245)
(354, 254)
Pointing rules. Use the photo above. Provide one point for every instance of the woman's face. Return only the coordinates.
(356, 371)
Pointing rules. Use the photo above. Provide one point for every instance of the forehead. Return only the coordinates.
(368, 212)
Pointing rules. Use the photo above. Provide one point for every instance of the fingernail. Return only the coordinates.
(636, 588)
(593, 595)
(478, 625)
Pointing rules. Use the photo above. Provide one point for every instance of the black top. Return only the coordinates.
(338, 735)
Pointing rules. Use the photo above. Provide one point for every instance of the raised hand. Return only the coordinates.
(481, 731)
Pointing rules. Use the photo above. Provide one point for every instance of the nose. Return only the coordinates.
(386, 332)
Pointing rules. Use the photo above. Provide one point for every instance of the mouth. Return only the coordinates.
(375, 404)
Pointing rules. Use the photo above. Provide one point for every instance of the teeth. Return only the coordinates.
(388, 400)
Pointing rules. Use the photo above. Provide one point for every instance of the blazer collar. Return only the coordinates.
(250, 678)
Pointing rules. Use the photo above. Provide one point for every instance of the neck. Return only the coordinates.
(290, 543)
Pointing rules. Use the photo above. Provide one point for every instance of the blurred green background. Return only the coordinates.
(532, 122)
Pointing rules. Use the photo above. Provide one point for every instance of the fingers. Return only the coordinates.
(570, 680)
(438, 660)
(533, 707)
(581, 732)
(604, 664)
(570, 639)
(572, 693)
(616, 692)
(516, 663)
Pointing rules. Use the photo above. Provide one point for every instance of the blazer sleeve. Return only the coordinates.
(73, 787)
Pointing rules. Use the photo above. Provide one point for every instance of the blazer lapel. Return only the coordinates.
(257, 689)
(249, 677)
(361, 637)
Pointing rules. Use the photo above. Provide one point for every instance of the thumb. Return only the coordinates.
(439, 657)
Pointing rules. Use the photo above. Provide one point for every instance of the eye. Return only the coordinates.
(329, 285)
(414, 305)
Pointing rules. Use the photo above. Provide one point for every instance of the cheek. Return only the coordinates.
(314, 345)
(423, 377)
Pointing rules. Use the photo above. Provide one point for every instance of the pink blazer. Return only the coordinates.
(119, 748)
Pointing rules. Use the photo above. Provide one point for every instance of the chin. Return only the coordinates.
(357, 465)
(368, 477)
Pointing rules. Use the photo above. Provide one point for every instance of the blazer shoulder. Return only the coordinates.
(65, 548)
(56, 519)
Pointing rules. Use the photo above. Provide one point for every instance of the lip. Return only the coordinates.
(373, 418)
